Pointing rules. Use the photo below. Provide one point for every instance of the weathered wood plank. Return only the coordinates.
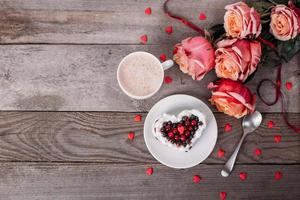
(105, 21)
(83, 78)
(31, 181)
(102, 137)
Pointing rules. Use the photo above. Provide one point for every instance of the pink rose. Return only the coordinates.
(241, 21)
(236, 59)
(195, 56)
(284, 23)
(232, 98)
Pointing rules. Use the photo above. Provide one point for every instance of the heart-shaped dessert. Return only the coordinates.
(180, 132)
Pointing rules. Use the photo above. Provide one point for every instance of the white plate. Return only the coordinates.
(172, 157)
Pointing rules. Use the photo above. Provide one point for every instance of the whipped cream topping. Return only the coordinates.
(158, 124)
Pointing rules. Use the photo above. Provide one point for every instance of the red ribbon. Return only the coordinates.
(277, 85)
(184, 21)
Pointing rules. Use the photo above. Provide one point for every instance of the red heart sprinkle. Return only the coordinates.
(144, 39)
(202, 16)
(163, 57)
(289, 85)
(168, 80)
(196, 178)
(180, 129)
(221, 153)
(258, 152)
(270, 124)
(277, 138)
(148, 11)
(223, 195)
(138, 118)
(227, 127)
(131, 135)
(169, 30)
(278, 175)
(243, 176)
(149, 171)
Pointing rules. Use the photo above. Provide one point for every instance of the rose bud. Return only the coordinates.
(195, 56)
(237, 59)
(241, 21)
(232, 98)
(284, 23)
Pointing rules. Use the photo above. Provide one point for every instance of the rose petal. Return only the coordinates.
(148, 11)
(243, 176)
(221, 153)
(277, 138)
(196, 178)
(131, 135)
(223, 195)
(228, 127)
(138, 118)
(202, 16)
(168, 80)
(278, 175)
(258, 152)
(149, 171)
(144, 39)
(163, 57)
(169, 30)
(270, 124)
(289, 85)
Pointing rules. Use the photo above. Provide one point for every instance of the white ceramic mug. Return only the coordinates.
(164, 66)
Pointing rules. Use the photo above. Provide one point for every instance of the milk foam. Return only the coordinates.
(140, 74)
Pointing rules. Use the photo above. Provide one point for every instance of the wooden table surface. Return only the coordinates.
(64, 120)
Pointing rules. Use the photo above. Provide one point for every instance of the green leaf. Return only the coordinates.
(288, 49)
(217, 32)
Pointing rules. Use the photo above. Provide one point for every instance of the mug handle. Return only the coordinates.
(167, 64)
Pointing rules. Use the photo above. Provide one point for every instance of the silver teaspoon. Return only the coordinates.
(250, 123)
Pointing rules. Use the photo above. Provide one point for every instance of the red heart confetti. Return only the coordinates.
(168, 80)
(196, 178)
(243, 176)
(148, 11)
(180, 129)
(278, 175)
(277, 138)
(270, 124)
(289, 85)
(202, 16)
(227, 127)
(221, 153)
(149, 171)
(223, 195)
(131, 135)
(169, 30)
(138, 118)
(144, 39)
(257, 152)
(163, 57)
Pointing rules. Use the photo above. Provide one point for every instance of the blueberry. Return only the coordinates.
(162, 130)
(200, 123)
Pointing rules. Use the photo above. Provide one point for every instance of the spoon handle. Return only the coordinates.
(230, 163)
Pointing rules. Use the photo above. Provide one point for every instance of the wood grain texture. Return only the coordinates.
(101, 22)
(102, 137)
(83, 78)
(30, 181)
